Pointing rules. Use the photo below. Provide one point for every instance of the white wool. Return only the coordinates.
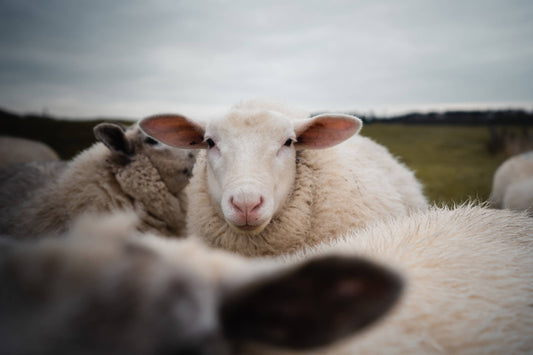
(469, 274)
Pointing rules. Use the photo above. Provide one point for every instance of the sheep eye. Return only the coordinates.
(288, 142)
(210, 143)
(150, 141)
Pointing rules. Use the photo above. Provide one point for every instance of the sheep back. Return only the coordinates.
(17, 150)
(469, 283)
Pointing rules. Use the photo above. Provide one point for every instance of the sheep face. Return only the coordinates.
(250, 174)
(251, 156)
(174, 165)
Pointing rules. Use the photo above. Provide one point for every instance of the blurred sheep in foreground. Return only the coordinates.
(103, 289)
(467, 277)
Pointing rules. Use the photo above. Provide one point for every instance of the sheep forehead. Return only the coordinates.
(265, 124)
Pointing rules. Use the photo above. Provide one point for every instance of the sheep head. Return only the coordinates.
(173, 165)
(251, 156)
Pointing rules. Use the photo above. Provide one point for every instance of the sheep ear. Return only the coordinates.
(326, 130)
(114, 137)
(313, 305)
(174, 130)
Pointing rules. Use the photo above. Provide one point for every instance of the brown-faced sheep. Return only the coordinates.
(126, 170)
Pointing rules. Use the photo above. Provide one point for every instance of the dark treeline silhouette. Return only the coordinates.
(510, 130)
(497, 117)
(66, 137)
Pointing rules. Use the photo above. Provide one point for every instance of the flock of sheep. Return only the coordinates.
(260, 232)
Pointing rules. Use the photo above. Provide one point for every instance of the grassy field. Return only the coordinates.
(453, 162)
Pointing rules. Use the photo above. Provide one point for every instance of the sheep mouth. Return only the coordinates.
(249, 229)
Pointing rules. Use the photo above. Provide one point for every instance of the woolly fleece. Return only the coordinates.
(469, 275)
(338, 189)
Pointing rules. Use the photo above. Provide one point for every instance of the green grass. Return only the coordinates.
(452, 162)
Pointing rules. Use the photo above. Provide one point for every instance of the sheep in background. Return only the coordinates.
(104, 289)
(126, 170)
(19, 182)
(469, 283)
(20, 150)
(271, 181)
(512, 185)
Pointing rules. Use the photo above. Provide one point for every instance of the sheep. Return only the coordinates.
(103, 288)
(512, 185)
(21, 150)
(270, 181)
(438, 281)
(29, 176)
(126, 169)
(468, 276)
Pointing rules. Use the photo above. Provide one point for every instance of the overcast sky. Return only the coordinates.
(134, 58)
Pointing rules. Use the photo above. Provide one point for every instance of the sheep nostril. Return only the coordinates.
(235, 205)
(258, 205)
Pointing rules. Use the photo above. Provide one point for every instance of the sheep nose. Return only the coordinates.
(247, 207)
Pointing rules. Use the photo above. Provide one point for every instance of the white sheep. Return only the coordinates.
(464, 277)
(21, 150)
(469, 283)
(271, 181)
(104, 289)
(125, 170)
(512, 184)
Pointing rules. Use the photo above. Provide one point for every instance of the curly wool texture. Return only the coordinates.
(336, 190)
(469, 275)
(158, 207)
(95, 182)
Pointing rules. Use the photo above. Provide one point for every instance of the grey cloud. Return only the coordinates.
(98, 57)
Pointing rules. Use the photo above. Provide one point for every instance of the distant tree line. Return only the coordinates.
(67, 137)
(511, 131)
(497, 117)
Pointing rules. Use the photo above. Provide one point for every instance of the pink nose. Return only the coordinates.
(247, 209)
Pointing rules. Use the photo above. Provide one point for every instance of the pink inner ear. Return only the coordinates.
(174, 130)
(327, 131)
